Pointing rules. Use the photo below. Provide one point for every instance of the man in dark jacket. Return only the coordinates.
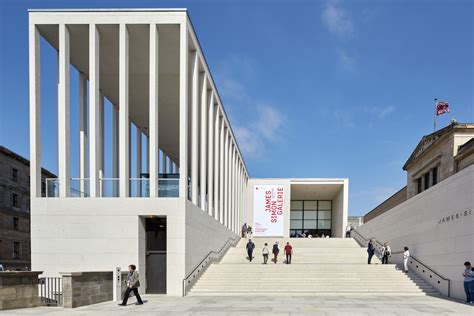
(250, 247)
(370, 250)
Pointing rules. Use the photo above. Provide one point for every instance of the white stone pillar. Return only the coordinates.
(35, 111)
(221, 171)
(231, 185)
(154, 149)
(194, 126)
(101, 144)
(94, 110)
(216, 163)
(64, 159)
(203, 141)
(210, 154)
(82, 133)
(226, 178)
(124, 123)
(115, 150)
(183, 111)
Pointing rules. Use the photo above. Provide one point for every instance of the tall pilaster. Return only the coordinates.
(226, 178)
(64, 159)
(183, 110)
(210, 155)
(124, 123)
(153, 145)
(203, 141)
(216, 163)
(94, 110)
(194, 126)
(221, 171)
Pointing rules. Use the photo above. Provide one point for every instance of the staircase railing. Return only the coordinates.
(438, 281)
(211, 257)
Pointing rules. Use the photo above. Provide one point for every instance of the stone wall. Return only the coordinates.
(19, 289)
(86, 288)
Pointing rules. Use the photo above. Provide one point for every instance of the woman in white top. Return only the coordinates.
(265, 253)
(406, 255)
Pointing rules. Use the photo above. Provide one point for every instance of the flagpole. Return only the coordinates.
(434, 116)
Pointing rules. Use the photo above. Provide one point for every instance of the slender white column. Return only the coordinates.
(153, 139)
(216, 162)
(210, 154)
(64, 159)
(35, 111)
(226, 179)
(221, 172)
(101, 144)
(203, 141)
(231, 185)
(124, 125)
(139, 161)
(194, 126)
(82, 132)
(183, 110)
(94, 110)
(115, 150)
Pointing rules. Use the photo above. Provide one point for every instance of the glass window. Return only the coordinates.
(16, 222)
(14, 174)
(434, 174)
(296, 205)
(296, 224)
(324, 215)
(324, 205)
(14, 200)
(427, 180)
(296, 214)
(310, 205)
(418, 185)
(324, 224)
(310, 214)
(16, 250)
(309, 224)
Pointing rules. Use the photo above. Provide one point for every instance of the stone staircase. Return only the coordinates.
(332, 266)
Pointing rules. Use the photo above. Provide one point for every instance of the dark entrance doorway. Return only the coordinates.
(155, 228)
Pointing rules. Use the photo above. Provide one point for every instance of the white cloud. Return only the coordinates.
(337, 20)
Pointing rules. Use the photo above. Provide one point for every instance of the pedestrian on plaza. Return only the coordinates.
(265, 253)
(370, 250)
(386, 252)
(275, 251)
(468, 282)
(249, 232)
(406, 255)
(133, 283)
(250, 247)
(244, 230)
(288, 252)
(348, 231)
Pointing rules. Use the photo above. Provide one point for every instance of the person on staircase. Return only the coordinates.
(244, 230)
(275, 251)
(250, 247)
(386, 251)
(288, 252)
(406, 255)
(348, 231)
(249, 232)
(468, 282)
(370, 250)
(265, 253)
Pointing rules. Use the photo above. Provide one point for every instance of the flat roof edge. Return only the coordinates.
(112, 10)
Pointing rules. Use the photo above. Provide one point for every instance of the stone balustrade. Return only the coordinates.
(19, 289)
(86, 288)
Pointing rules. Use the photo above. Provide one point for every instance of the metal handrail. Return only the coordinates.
(411, 257)
(206, 259)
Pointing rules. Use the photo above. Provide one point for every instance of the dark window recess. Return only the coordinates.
(15, 202)
(434, 175)
(14, 174)
(418, 185)
(427, 180)
(16, 250)
(16, 222)
(43, 189)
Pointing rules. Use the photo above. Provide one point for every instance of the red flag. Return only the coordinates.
(442, 107)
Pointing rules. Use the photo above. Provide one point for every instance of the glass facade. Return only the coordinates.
(310, 217)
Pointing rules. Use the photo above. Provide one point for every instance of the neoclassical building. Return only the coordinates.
(190, 191)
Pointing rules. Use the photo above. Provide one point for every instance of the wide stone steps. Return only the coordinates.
(319, 267)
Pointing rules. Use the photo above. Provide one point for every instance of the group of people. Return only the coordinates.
(288, 250)
(246, 231)
(386, 252)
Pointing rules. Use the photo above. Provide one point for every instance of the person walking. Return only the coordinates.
(348, 231)
(370, 250)
(468, 282)
(265, 253)
(244, 230)
(406, 255)
(249, 232)
(275, 251)
(288, 252)
(133, 283)
(386, 251)
(250, 247)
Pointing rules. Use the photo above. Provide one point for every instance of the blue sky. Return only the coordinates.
(312, 88)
